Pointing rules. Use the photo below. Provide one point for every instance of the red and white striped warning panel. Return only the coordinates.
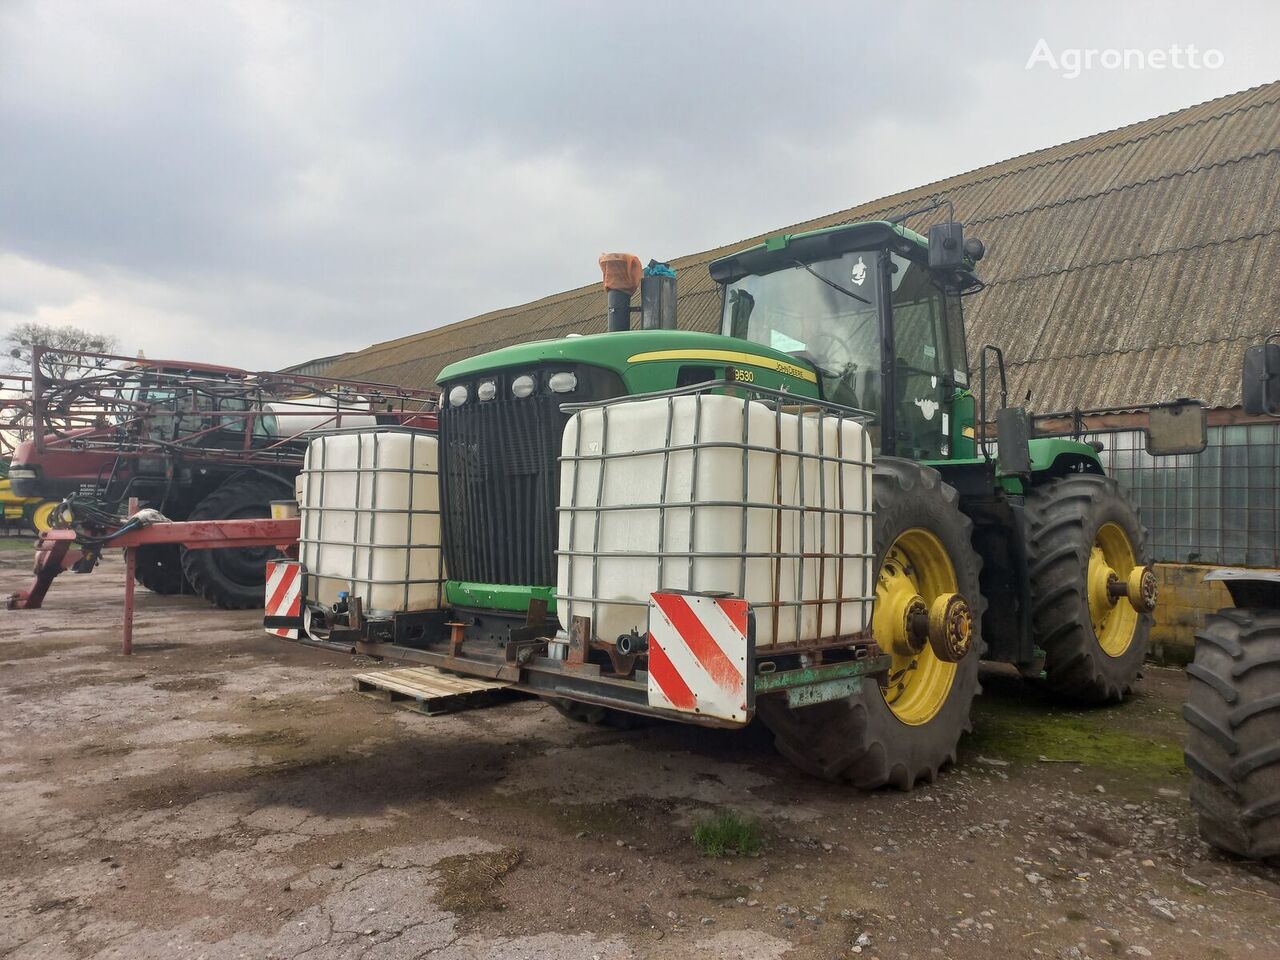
(283, 616)
(700, 655)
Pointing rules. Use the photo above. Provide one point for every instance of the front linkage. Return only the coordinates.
(697, 664)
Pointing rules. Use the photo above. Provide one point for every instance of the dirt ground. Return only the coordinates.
(222, 795)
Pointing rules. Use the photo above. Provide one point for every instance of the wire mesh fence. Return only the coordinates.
(1215, 507)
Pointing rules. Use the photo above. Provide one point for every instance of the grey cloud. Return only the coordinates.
(339, 174)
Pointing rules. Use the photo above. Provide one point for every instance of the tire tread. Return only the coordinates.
(1233, 740)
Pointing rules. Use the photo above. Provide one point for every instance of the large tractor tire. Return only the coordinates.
(905, 732)
(232, 579)
(1084, 534)
(1233, 745)
(159, 568)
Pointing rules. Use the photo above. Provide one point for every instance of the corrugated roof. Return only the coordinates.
(1133, 266)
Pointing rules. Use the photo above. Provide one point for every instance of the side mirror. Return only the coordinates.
(946, 245)
(1174, 428)
(1260, 379)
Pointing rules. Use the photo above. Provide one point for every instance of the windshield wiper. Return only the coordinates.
(832, 284)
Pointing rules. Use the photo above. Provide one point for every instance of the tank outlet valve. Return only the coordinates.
(629, 643)
(950, 627)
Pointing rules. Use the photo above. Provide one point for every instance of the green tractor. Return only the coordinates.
(989, 543)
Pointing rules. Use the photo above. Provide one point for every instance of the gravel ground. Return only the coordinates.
(222, 794)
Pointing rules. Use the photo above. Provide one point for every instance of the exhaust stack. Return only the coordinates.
(622, 275)
(658, 297)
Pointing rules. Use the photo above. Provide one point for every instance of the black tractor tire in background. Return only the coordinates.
(1064, 516)
(159, 568)
(595, 714)
(233, 579)
(1233, 740)
(859, 740)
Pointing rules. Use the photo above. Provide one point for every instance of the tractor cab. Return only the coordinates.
(879, 323)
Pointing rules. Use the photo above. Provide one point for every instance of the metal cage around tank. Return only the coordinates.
(312, 539)
(828, 550)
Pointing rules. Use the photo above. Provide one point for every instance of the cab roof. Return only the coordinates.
(785, 249)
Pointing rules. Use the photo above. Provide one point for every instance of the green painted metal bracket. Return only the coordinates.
(498, 596)
(823, 692)
(824, 673)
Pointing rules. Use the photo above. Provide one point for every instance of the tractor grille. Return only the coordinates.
(500, 475)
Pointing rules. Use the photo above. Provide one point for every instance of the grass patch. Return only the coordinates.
(467, 881)
(17, 543)
(1022, 727)
(727, 832)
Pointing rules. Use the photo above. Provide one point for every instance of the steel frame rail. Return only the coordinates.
(60, 550)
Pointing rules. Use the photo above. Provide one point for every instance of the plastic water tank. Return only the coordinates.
(291, 418)
(683, 505)
(370, 505)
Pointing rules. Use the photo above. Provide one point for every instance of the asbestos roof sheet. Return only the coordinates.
(1133, 266)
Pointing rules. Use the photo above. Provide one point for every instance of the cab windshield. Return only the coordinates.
(827, 313)
(173, 408)
(823, 312)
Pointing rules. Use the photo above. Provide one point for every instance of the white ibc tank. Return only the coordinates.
(370, 505)
(693, 498)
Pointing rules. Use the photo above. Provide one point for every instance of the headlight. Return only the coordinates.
(458, 396)
(522, 386)
(487, 390)
(563, 382)
(22, 473)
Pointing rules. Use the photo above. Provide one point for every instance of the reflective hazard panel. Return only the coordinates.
(283, 615)
(700, 655)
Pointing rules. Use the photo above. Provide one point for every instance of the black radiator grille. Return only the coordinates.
(500, 475)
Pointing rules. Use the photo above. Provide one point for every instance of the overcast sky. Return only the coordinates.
(259, 183)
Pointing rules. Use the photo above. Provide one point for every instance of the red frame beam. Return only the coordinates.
(55, 553)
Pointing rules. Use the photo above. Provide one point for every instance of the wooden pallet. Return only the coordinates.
(427, 690)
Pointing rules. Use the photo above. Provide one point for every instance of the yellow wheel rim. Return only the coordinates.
(1114, 619)
(915, 567)
(42, 516)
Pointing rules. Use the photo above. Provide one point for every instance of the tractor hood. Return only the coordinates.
(633, 353)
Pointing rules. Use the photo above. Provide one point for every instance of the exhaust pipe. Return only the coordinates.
(622, 275)
(658, 297)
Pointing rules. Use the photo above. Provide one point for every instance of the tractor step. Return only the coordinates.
(427, 690)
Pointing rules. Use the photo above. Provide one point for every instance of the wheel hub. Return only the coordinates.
(922, 622)
(950, 627)
(1144, 591)
(1114, 575)
(915, 628)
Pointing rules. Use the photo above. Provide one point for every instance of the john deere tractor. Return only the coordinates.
(988, 542)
